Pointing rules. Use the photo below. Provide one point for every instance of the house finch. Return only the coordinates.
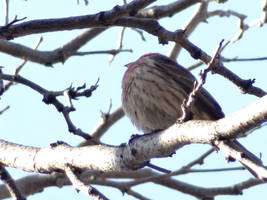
(153, 90)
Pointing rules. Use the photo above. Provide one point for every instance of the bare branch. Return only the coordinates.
(190, 100)
(50, 97)
(81, 187)
(105, 122)
(101, 19)
(209, 193)
(199, 16)
(10, 184)
(131, 156)
(231, 152)
(241, 25)
(122, 161)
(223, 59)
(263, 17)
(22, 64)
(62, 53)
(50, 57)
(112, 52)
(199, 160)
(119, 45)
(6, 11)
(7, 25)
(153, 27)
(168, 10)
(4, 109)
(41, 181)
(236, 59)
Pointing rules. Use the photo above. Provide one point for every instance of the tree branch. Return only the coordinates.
(139, 150)
(199, 15)
(50, 97)
(81, 187)
(157, 12)
(10, 184)
(101, 19)
(22, 64)
(153, 27)
(36, 183)
(62, 53)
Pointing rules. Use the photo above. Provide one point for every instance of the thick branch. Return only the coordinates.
(62, 53)
(139, 150)
(49, 57)
(101, 19)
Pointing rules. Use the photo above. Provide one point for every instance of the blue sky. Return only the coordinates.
(31, 122)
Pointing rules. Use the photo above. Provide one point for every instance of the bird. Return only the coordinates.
(153, 90)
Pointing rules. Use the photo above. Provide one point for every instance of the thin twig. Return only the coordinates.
(81, 187)
(160, 169)
(216, 170)
(189, 102)
(15, 20)
(112, 51)
(50, 97)
(6, 11)
(136, 195)
(141, 34)
(104, 124)
(247, 159)
(4, 109)
(223, 59)
(22, 64)
(236, 59)
(119, 44)
(10, 184)
(199, 160)
(199, 15)
(183, 170)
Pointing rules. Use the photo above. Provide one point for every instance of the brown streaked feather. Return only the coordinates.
(205, 103)
(172, 86)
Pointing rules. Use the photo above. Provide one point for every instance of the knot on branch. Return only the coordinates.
(162, 39)
(246, 85)
(58, 143)
(4, 30)
(196, 54)
(49, 98)
(106, 18)
(133, 13)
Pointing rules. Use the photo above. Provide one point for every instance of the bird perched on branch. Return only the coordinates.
(153, 90)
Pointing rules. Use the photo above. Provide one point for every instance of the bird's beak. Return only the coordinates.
(128, 65)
